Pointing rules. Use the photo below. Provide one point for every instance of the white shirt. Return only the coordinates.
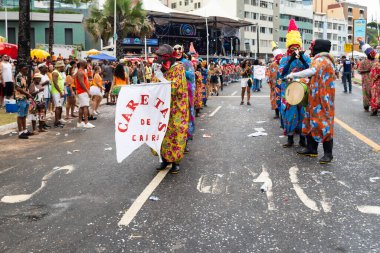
(7, 72)
(47, 89)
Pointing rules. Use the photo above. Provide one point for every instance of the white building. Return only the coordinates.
(331, 29)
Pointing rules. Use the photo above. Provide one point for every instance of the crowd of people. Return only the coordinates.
(81, 85)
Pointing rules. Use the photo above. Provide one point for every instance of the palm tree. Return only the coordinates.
(51, 26)
(24, 32)
(99, 26)
(130, 19)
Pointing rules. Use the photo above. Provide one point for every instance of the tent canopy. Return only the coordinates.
(218, 16)
(163, 14)
(102, 56)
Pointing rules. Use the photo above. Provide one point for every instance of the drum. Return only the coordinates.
(297, 93)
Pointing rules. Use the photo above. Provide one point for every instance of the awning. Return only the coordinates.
(218, 17)
(102, 56)
(163, 14)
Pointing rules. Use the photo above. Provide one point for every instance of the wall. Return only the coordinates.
(59, 31)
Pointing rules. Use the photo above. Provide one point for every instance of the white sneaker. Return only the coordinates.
(63, 121)
(80, 125)
(89, 125)
(95, 113)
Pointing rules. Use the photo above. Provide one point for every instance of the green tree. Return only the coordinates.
(130, 19)
(99, 25)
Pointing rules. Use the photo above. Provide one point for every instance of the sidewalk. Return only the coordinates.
(4, 129)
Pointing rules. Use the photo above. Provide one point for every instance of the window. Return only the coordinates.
(349, 19)
(263, 4)
(69, 36)
(335, 37)
(174, 5)
(186, 2)
(335, 26)
(32, 38)
(195, 6)
(12, 35)
(199, 5)
(246, 1)
(180, 3)
(350, 10)
(329, 25)
(253, 29)
(46, 35)
(262, 29)
(253, 42)
(329, 36)
(254, 2)
(270, 30)
(335, 47)
(349, 28)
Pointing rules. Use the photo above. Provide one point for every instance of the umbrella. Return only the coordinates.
(93, 52)
(102, 57)
(9, 49)
(39, 54)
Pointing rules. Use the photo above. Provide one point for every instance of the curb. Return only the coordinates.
(13, 126)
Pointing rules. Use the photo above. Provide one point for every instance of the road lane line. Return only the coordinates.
(300, 192)
(3, 171)
(142, 198)
(369, 209)
(234, 93)
(216, 110)
(372, 144)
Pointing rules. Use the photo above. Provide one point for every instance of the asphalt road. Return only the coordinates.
(79, 193)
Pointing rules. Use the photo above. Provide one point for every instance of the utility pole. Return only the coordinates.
(258, 40)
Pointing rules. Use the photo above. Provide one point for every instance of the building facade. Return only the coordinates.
(328, 28)
(68, 24)
(302, 13)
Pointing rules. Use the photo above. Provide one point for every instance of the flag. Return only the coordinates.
(142, 116)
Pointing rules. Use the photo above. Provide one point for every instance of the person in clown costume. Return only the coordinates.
(294, 61)
(365, 70)
(173, 145)
(273, 80)
(318, 124)
(190, 77)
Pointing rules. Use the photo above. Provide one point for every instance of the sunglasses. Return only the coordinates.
(178, 49)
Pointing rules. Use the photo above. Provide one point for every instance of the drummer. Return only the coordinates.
(294, 61)
(318, 124)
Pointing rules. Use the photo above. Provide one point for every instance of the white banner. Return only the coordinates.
(142, 116)
(259, 72)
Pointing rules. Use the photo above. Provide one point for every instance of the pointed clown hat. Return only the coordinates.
(192, 51)
(294, 36)
(366, 48)
(275, 50)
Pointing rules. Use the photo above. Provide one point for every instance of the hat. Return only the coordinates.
(164, 49)
(37, 75)
(42, 65)
(366, 48)
(275, 50)
(294, 36)
(59, 64)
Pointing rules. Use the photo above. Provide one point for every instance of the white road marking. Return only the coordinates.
(213, 184)
(234, 93)
(8, 169)
(326, 204)
(142, 198)
(372, 179)
(216, 110)
(344, 184)
(300, 192)
(369, 209)
(24, 197)
(264, 178)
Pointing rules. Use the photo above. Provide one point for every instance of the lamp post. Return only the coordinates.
(114, 29)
